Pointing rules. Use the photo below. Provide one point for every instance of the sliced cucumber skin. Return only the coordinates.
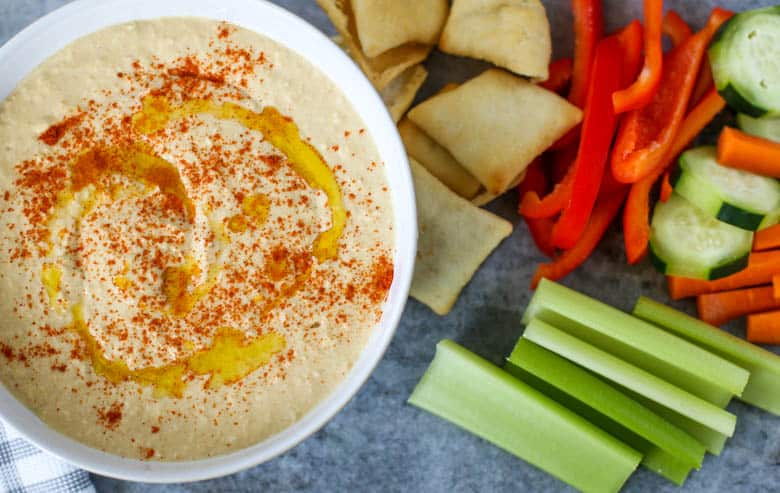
(662, 249)
(767, 128)
(728, 54)
(711, 199)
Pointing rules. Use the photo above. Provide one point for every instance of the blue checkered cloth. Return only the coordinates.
(24, 468)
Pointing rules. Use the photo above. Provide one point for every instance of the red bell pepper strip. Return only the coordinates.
(666, 187)
(676, 28)
(588, 30)
(533, 207)
(630, 39)
(703, 84)
(607, 208)
(641, 92)
(636, 227)
(646, 134)
(560, 75)
(598, 128)
(540, 229)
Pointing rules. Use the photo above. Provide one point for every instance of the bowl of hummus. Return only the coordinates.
(208, 234)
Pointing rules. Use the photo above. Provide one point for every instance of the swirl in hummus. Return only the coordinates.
(196, 238)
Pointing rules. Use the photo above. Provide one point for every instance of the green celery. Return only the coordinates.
(644, 345)
(667, 450)
(763, 387)
(487, 401)
(631, 377)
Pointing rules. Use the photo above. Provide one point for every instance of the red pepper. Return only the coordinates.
(636, 228)
(540, 229)
(630, 39)
(604, 213)
(560, 75)
(676, 28)
(646, 134)
(641, 92)
(588, 30)
(598, 128)
(533, 207)
(666, 187)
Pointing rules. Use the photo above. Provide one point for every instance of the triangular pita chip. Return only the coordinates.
(382, 69)
(385, 24)
(514, 34)
(455, 237)
(400, 93)
(437, 160)
(496, 124)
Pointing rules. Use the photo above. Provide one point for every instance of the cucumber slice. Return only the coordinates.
(745, 64)
(686, 242)
(742, 199)
(767, 127)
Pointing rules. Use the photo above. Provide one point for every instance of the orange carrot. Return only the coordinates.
(666, 187)
(761, 267)
(764, 328)
(676, 28)
(636, 229)
(720, 308)
(739, 150)
(776, 286)
(767, 238)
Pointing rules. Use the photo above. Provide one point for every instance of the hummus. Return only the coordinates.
(196, 239)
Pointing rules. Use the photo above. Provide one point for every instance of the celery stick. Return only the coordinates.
(653, 458)
(644, 345)
(712, 440)
(485, 400)
(606, 400)
(763, 387)
(630, 376)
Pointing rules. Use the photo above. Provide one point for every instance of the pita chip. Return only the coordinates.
(385, 24)
(382, 69)
(455, 237)
(399, 94)
(495, 125)
(437, 160)
(514, 34)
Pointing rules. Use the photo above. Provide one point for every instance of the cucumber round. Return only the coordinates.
(686, 242)
(745, 62)
(743, 199)
(766, 127)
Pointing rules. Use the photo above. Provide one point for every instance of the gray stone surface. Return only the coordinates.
(378, 443)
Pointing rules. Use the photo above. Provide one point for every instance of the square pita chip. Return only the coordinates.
(514, 34)
(486, 197)
(496, 124)
(381, 69)
(437, 160)
(385, 24)
(455, 237)
(400, 93)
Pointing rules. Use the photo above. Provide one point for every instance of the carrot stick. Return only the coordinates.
(605, 211)
(636, 229)
(761, 267)
(776, 286)
(739, 150)
(676, 28)
(767, 238)
(641, 92)
(560, 75)
(764, 328)
(720, 308)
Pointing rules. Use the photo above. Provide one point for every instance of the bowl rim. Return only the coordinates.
(31, 46)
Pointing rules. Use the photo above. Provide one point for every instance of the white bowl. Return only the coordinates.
(51, 33)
